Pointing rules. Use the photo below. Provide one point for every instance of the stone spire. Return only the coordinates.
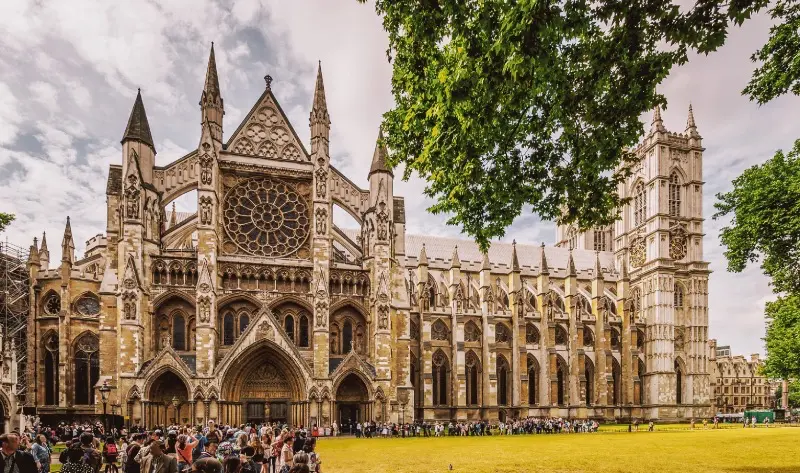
(211, 105)
(68, 245)
(691, 127)
(598, 270)
(514, 258)
(455, 261)
(571, 265)
(624, 271)
(657, 124)
(173, 217)
(138, 128)
(379, 156)
(33, 255)
(211, 88)
(319, 108)
(485, 263)
(44, 253)
(423, 256)
(544, 269)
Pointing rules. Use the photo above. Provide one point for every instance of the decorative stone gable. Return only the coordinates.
(263, 327)
(266, 133)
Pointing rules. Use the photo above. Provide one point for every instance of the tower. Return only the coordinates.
(208, 197)
(139, 212)
(659, 242)
(379, 216)
(320, 124)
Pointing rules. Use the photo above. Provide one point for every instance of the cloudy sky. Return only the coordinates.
(71, 69)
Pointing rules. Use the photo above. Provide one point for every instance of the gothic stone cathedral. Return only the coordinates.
(259, 308)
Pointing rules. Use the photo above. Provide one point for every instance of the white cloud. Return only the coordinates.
(85, 58)
(10, 115)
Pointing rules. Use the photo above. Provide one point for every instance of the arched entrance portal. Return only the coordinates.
(264, 385)
(167, 390)
(352, 401)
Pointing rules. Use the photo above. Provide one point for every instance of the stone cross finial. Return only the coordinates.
(268, 80)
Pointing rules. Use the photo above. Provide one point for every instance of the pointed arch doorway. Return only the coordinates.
(352, 401)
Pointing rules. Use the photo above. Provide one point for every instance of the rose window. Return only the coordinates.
(88, 306)
(266, 218)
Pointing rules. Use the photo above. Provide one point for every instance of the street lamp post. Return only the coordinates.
(104, 390)
(175, 402)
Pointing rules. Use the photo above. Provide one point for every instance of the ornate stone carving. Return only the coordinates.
(471, 332)
(439, 331)
(132, 197)
(383, 317)
(638, 252)
(321, 216)
(52, 306)
(204, 309)
(88, 306)
(129, 306)
(383, 222)
(322, 180)
(321, 314)
(206, 210)
(206, 166)
(677, 242)
(265, 330)
(264, 217)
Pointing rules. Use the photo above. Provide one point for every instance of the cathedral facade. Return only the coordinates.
(258, 307)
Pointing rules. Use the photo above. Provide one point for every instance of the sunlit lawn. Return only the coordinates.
(669, 449)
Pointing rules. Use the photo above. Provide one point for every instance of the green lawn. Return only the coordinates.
(669, 449)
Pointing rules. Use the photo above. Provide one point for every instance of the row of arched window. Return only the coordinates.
(640, 199)
(473, 378)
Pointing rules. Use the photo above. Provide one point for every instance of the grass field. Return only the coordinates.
(666, 450)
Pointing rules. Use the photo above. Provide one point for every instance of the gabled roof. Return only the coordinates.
(239, 141)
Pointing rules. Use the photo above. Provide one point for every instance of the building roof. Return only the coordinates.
(439, 251)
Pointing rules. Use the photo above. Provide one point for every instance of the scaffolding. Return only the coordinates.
(15, 309)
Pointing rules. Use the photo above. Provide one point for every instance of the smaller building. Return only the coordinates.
(737, 383)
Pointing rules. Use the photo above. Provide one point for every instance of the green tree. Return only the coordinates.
(501, 105)
(783, 338)
(5, 220)
(765, 209)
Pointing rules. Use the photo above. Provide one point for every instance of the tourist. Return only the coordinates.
(246, 457)
(157, 461)
(314, 462)
(210, 451)
(131, 465)
(651, 427)
(201, 443)
(286, 456)
(110, 453)
(232, 464)
(90, 454)
(705, 424)
(41, 453)
(183, 451)
(74, 460)
(12, 460)
(207, 465)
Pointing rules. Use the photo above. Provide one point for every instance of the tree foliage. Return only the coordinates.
(780, 71)
(765, 209)
(783, 338)
(5, 220)
(501, 105)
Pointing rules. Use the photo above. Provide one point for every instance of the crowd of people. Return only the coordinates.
(530, 425)
(172, 449)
